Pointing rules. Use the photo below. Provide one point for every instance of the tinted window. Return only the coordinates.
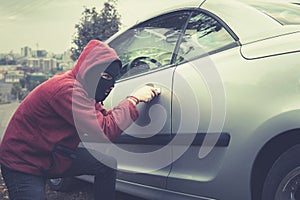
(150, 45)
(204, 35)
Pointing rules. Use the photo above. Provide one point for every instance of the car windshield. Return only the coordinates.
(285, 14)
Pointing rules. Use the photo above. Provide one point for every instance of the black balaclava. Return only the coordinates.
(102, 84)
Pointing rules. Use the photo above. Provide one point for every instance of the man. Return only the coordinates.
(42, 138)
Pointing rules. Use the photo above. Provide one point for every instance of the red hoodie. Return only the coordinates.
(59, 111)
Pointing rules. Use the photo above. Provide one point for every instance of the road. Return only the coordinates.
(6, 112)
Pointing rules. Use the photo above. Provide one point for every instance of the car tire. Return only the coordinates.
(283, 179)
(61, 184)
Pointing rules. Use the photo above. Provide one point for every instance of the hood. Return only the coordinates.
(95, 54)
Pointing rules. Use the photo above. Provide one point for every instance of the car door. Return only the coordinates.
(198, 107)
(146, 51)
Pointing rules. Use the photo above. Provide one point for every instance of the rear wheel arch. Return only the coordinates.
(267, 156)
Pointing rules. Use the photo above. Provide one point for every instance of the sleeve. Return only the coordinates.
(80, 111)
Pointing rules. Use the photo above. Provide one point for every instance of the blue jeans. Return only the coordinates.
(23, 186)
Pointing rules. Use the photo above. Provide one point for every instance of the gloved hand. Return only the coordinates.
(146, 93)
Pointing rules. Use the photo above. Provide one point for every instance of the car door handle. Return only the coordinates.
(158, 89)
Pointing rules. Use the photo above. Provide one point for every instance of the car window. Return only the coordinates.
(149, 45)
(203, 35)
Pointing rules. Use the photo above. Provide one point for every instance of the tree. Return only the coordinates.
(94, 25)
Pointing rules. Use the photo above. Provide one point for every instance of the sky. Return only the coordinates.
(50, 24)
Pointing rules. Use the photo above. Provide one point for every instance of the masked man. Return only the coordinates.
(42, 138)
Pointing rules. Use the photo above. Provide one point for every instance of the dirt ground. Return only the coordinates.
(3, 190)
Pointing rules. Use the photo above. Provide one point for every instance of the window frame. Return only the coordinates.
(171, 64)
(235, 43)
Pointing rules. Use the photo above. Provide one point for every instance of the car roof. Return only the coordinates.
(248, 23)
(176, 5)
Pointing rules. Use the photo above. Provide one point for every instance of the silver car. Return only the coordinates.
(227, 122)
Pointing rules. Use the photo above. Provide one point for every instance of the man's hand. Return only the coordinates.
(146, 93)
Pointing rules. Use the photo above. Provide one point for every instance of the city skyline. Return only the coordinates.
(50, 25)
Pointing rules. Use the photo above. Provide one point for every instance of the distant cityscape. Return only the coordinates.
(22, 72)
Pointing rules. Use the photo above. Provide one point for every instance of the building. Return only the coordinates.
(41, 53)
(33, 63)
(67, 63)
(10, 73)
(49, 65)
(26, 52)
(45, 65)
(13, 76)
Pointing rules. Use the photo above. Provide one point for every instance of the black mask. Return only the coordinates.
(98, 90)
(102, 86)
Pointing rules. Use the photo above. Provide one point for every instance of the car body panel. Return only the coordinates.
(221, 108)
(283, 44)
(190, 173)
(146, 126)
(246, 85)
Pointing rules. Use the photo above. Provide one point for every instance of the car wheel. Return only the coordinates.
(283, 179)
(61, 184)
